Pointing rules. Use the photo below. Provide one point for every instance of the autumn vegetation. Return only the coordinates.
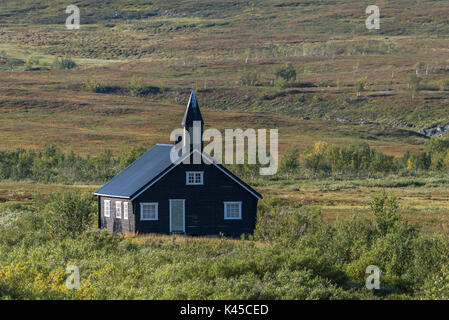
(358, 184)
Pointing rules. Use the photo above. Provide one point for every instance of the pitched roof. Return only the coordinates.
(139, 173)
(211, 162)
(193, 112)
(148, 169)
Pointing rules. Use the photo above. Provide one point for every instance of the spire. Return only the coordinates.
(192, 112)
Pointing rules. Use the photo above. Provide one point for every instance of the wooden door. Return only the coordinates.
(177, 215)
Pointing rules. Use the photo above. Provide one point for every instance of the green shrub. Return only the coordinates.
(299, 285)
(328, 261)
(250, 78)
(12, 63)
(444, 84)
(289, 162)
(286, 72)
(352, 237)
(100, 88)
(413, 84)
(281, 224)
(431, 253)
(385, 209)
(437, 286)
(69, 214)
(138, 88)
(63, 63)
(360, 85)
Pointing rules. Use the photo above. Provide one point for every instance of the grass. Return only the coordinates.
(426, 204)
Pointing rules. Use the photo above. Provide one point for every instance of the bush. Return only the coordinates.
(385, 209)
(360, 85)
(100, 88)
(137, 88)
(68, 214)
(437, 286)
(327, 261)
(284, 223)
(286, 72)
(250, 78)
(130, 156)
(444, 84)
(63, 63)
(12, 63)
(414, 84)
(289, 163)
(51, 165)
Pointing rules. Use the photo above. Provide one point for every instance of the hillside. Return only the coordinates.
(230, 50)
(365, 185)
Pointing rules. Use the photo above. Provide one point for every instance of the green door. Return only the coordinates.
(177, 218)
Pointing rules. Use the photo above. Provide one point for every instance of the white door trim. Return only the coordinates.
(183, 214)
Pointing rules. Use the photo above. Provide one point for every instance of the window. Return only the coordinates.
(233, 210)
(194, 177)
(107, 208)
(125, 210)
(148, 211)
(118, 209)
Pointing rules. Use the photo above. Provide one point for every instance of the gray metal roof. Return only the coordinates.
(139, 173)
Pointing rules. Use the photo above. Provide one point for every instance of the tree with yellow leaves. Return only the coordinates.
(320, 147)
(313, 157)
(446, 160)
(411, 164)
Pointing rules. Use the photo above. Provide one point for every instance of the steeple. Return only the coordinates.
(193, 123)
(192, 112)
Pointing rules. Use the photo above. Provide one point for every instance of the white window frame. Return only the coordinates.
(107, 204)
(125, 210)
(194, 178)
(149, 203)
(118, 209)
(240, 210)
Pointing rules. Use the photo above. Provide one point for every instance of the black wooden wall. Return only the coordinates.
(204, 204)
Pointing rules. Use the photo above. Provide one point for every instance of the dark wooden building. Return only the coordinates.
(156, 195)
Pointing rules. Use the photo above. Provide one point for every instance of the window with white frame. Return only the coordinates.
(233, 210)
(125, 210)
(118, 209)
(107, 208)
(149, 211)
(194, 177)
